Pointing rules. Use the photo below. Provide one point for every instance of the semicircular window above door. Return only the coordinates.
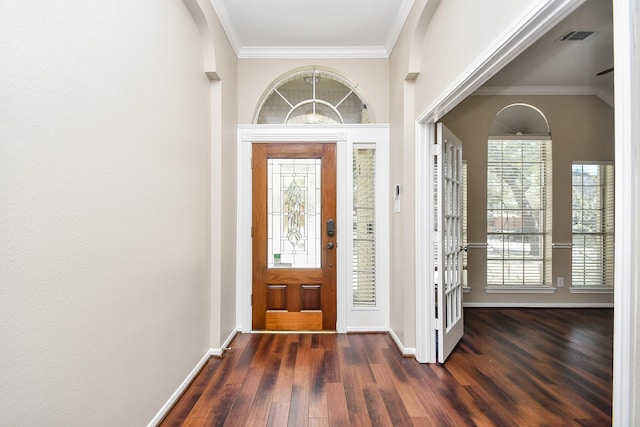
(313, 97)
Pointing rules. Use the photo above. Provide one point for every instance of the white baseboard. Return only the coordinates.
(406, 351)
(539, 304)
(183, 386)
(367, 329)
(176, 394)
(225, 345)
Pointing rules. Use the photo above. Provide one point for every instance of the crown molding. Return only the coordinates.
(606, 96)
(535, 90)
(398, 23)
(227, 24)
(308, 52)
(601, 93)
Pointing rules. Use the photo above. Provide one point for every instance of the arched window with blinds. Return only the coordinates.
(519, 200)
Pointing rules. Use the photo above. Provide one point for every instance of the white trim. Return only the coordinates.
(405, 351)
(601, 93)
(593, 162)
(376, 317)
(243, 236)
(477, 245)
(367, 330)
(538, 305)
(531, 25)
(313, 52)
(591, 289)
(181, 389)
(227, 24)
(425, 318)
(398, 23)
(562, 246)
(536, 90)
(218, 352)
(344, 136)
(625, 334)
(520, 289)
(606, 96)
(215, 352)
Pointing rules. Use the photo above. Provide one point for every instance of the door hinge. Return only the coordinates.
(252, 231)
(252, 162)
(251, 300)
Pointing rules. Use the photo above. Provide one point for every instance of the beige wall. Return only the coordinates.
(581, 129)
(459, 33)
(257, 75)
(439, 43)
(104, 216)
(401, 165)
(224, 118)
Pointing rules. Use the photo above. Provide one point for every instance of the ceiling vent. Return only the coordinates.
(575, 35)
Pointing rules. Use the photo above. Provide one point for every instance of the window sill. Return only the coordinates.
(591, 289)
(520, 289)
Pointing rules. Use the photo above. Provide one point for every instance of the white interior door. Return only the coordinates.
(448, 242)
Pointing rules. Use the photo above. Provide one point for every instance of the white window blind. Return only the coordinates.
(592, 254)
(364, 227)
(519, 212)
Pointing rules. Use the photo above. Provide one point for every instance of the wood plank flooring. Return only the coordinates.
(514, 367)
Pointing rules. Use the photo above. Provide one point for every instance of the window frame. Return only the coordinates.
(544, 210)
(370, 271)
(606, 213)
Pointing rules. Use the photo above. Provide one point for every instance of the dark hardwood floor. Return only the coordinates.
(514, 367)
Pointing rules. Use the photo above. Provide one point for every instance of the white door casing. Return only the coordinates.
(345, 136)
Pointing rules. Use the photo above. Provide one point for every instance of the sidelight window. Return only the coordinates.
(364, 226)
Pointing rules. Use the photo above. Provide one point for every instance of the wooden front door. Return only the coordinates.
(294, 237)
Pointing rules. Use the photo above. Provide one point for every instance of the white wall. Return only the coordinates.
(626, 371)
(104, 144)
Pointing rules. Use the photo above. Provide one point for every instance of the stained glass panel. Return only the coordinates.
(293, 213)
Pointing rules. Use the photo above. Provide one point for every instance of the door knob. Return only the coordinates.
(331, 245)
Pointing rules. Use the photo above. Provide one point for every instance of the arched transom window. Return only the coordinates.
(313, 97)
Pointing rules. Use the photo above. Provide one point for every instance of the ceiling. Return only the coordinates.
(553, 66)
(370, 28)
(312, 29)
